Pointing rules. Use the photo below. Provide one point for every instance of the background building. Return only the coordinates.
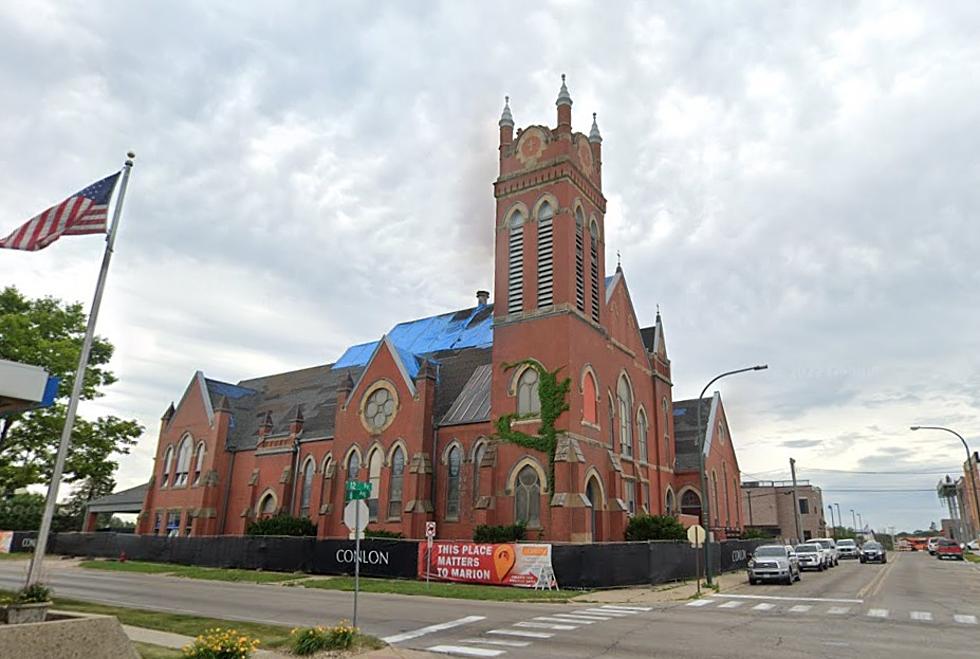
(769, 508)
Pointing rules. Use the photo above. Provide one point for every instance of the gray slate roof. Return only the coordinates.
(125, 501)
(686, 431)
(473, 403)
(648, 334)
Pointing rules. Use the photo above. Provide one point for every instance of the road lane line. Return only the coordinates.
(520, 632)
(699, 603)
(965, 620)
(838, 610)
(921, 615)
(577, 621)
(878, 613)
(545, 625)
(765, 606)
(616, 607)
(790, 599)
(734, 604)
(800, 608)
(407, 636)
(465, 651)
(493, 641)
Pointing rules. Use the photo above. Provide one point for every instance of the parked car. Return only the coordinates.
(973, 544)
(949, 549)
(830, 547)
(931, 545)
(774, 563)
(847, 548)
(810, 557)
(873, 552)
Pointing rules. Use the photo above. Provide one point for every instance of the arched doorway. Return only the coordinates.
(594, 494)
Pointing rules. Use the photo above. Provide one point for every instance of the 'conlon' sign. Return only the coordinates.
(368, 557)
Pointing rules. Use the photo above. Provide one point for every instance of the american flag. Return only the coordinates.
(82, 213)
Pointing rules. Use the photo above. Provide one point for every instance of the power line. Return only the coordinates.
(897, 473)
(824, 489)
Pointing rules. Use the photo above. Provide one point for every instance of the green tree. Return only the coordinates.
(655, 527)
(48, 333)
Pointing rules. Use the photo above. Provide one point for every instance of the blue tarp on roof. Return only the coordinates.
(230, 390)
(469, 328)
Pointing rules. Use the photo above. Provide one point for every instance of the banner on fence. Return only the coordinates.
(6, 539)
(525, 566)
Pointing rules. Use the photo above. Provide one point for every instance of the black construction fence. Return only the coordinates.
(601, 565)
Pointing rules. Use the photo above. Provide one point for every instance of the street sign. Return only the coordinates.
(430, 530)
(356, 515)
(696, 535)
(357, 490)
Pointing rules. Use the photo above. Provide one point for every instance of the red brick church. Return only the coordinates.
(415, 412)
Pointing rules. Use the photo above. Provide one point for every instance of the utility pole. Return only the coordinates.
(832, 525)
(749, 492)
(861, 522)
(796, 502)
(854, 521)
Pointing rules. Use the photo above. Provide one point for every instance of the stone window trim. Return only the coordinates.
(528, 489)
(389, 409)
(590, 475)
(396, 483)
(453, 459)
(168, 459)
(642, 434)
(589, 372)
(261, 507)
(199, 454)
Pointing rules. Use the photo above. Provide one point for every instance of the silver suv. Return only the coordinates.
(774, 563)
(830, 548)
(847, 548)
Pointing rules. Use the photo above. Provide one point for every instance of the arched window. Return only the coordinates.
(579, 260)
(594, 268)
(691, 504)
(183, 461)
(612, 423)
(199, 463)
(546, 255)
(528, 400)
(307, 488)
(168, 463)
(625, 397)
(669, 502)
(397, 480)
(515, 263)
(714, 495)
(325, 487)
(481, 450)
(267, 505)
(455, 460)
(353, 465)
(527, 497)
(668, 460)
(641, 434)
(590, 413)
(374, 477)
(724, 479)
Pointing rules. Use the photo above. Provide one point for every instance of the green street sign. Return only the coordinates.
(358, 490)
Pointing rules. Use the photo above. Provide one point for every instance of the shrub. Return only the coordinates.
(309, 640)
(282, 525)
(33, 594)
(221, 644)
(498, 534)
(381, 533)
(756, 534)
(655, 527)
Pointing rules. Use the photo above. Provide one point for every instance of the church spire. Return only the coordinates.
(594, 136)
(564, 98)
(506, 118)
(564, 104)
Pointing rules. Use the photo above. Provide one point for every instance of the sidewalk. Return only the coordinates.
(726, 583)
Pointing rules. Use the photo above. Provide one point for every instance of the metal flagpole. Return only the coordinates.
(34, 572)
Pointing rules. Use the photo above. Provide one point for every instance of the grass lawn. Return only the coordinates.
(193, 571)
(147, 651)
(441, 589)
(970, 556)
(16, 556)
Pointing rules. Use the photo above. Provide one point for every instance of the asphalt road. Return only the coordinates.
(914, 606)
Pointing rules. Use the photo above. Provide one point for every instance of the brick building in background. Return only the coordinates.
(414, 412)
(768, 507)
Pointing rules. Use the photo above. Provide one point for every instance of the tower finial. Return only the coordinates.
(506, 118)
(594, 136)
(619, 261)
(564, 98)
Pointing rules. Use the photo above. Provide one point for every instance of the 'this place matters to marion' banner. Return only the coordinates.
(523, 565)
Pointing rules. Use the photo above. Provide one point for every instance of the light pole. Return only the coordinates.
(705, 519)
(861, 521)
(854, 521)
(973, 478)
(840, 520)
(833, 526)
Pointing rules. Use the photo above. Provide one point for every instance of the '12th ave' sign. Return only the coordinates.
(358, 490)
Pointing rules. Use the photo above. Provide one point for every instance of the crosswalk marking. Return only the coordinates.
(765, 606)
(627, 608)
(585, 616)
(494, 641)
(965, 620)
(838, 610)
(545, 625)
(921, 615)
(800, 608)
(878, 613)
(465, 651)
(605, 612)
(407, 636)
(699, 603)
(734, 604)
(577, 621)
(520, 632)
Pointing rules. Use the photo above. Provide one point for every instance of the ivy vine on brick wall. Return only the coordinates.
(553, 396)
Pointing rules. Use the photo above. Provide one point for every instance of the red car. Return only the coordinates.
(949, 549)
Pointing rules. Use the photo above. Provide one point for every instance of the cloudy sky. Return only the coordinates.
(793, 183)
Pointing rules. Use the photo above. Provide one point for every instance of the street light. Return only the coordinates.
(973, 478)
(705, 519)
